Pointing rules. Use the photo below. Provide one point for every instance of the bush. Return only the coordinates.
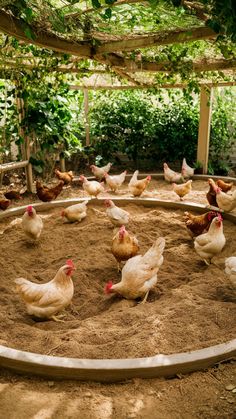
(151, 129)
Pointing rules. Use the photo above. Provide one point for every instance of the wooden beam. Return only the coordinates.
(130, 43)
(163, 86)
(86, 117)
(204, 126)
(14, 27)
(117, 62)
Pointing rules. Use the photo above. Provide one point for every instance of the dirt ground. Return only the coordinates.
(189, 296)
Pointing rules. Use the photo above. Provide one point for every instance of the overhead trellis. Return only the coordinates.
(143, 43)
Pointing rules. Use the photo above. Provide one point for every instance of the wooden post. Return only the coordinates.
(86, 117)
(204, 126)
(28, 169)
(62, 164)
(25, 147)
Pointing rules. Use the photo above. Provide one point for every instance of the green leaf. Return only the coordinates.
(29, 33)
(96, 3)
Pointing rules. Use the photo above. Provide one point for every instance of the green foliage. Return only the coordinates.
(51, 120)
(9, 125)
(157, 128)
(144, 127)
(223, 132)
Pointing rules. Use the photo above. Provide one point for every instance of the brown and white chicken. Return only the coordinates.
(224, 201)
(116, 215)
(172, 176)
(46, 300)
(75, 212)
(32, 223)
(124, 246)
(67, 177)
(92, 187)
(198, 224)
(136, 187)
(99, 172)
(186, 171)
(183, 189)
(139, 275)
(211, 243)
(115, 182)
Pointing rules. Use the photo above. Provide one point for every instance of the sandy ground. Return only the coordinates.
(189, 296)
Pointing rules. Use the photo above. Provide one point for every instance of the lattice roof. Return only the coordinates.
(141, 43)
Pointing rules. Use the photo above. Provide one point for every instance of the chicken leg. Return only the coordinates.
(145, 298)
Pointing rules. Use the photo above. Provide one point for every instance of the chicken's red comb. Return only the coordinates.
(220, 218)
(108, 287)
(122, 228)
(70, 263)
(29, 208)
(149, 177)
(211, 215)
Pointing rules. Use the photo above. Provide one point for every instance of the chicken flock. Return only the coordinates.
(139, 273)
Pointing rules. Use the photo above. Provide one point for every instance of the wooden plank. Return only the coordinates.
(204, 126)
(6, 167)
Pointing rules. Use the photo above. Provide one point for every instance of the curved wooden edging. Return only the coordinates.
(111, 370)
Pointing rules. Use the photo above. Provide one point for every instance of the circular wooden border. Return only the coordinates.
(111, 370)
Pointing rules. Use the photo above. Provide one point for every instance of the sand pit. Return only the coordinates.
(190, 308)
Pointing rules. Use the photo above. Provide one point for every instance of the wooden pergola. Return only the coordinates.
(128, 56)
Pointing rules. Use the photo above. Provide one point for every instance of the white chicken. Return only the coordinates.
(230, 269)
(186, 171)
(92, 187)
(116, 215)
(75, 212)
(114, 182)
(171, 176)
(136, 187)
(99, 172)
(32, 223)
(139, 275)
(46, 300)
(211, 243)
(224, 201)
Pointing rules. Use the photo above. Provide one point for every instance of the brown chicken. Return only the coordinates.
(225, 187)
(13, 195)
(197, 224)
(4, 204)
(46, 194)
(124, 246)
(136, 187)
(211, 194)
(67, 177)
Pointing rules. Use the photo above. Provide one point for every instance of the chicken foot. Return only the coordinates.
(57, 318)
(145, 298)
